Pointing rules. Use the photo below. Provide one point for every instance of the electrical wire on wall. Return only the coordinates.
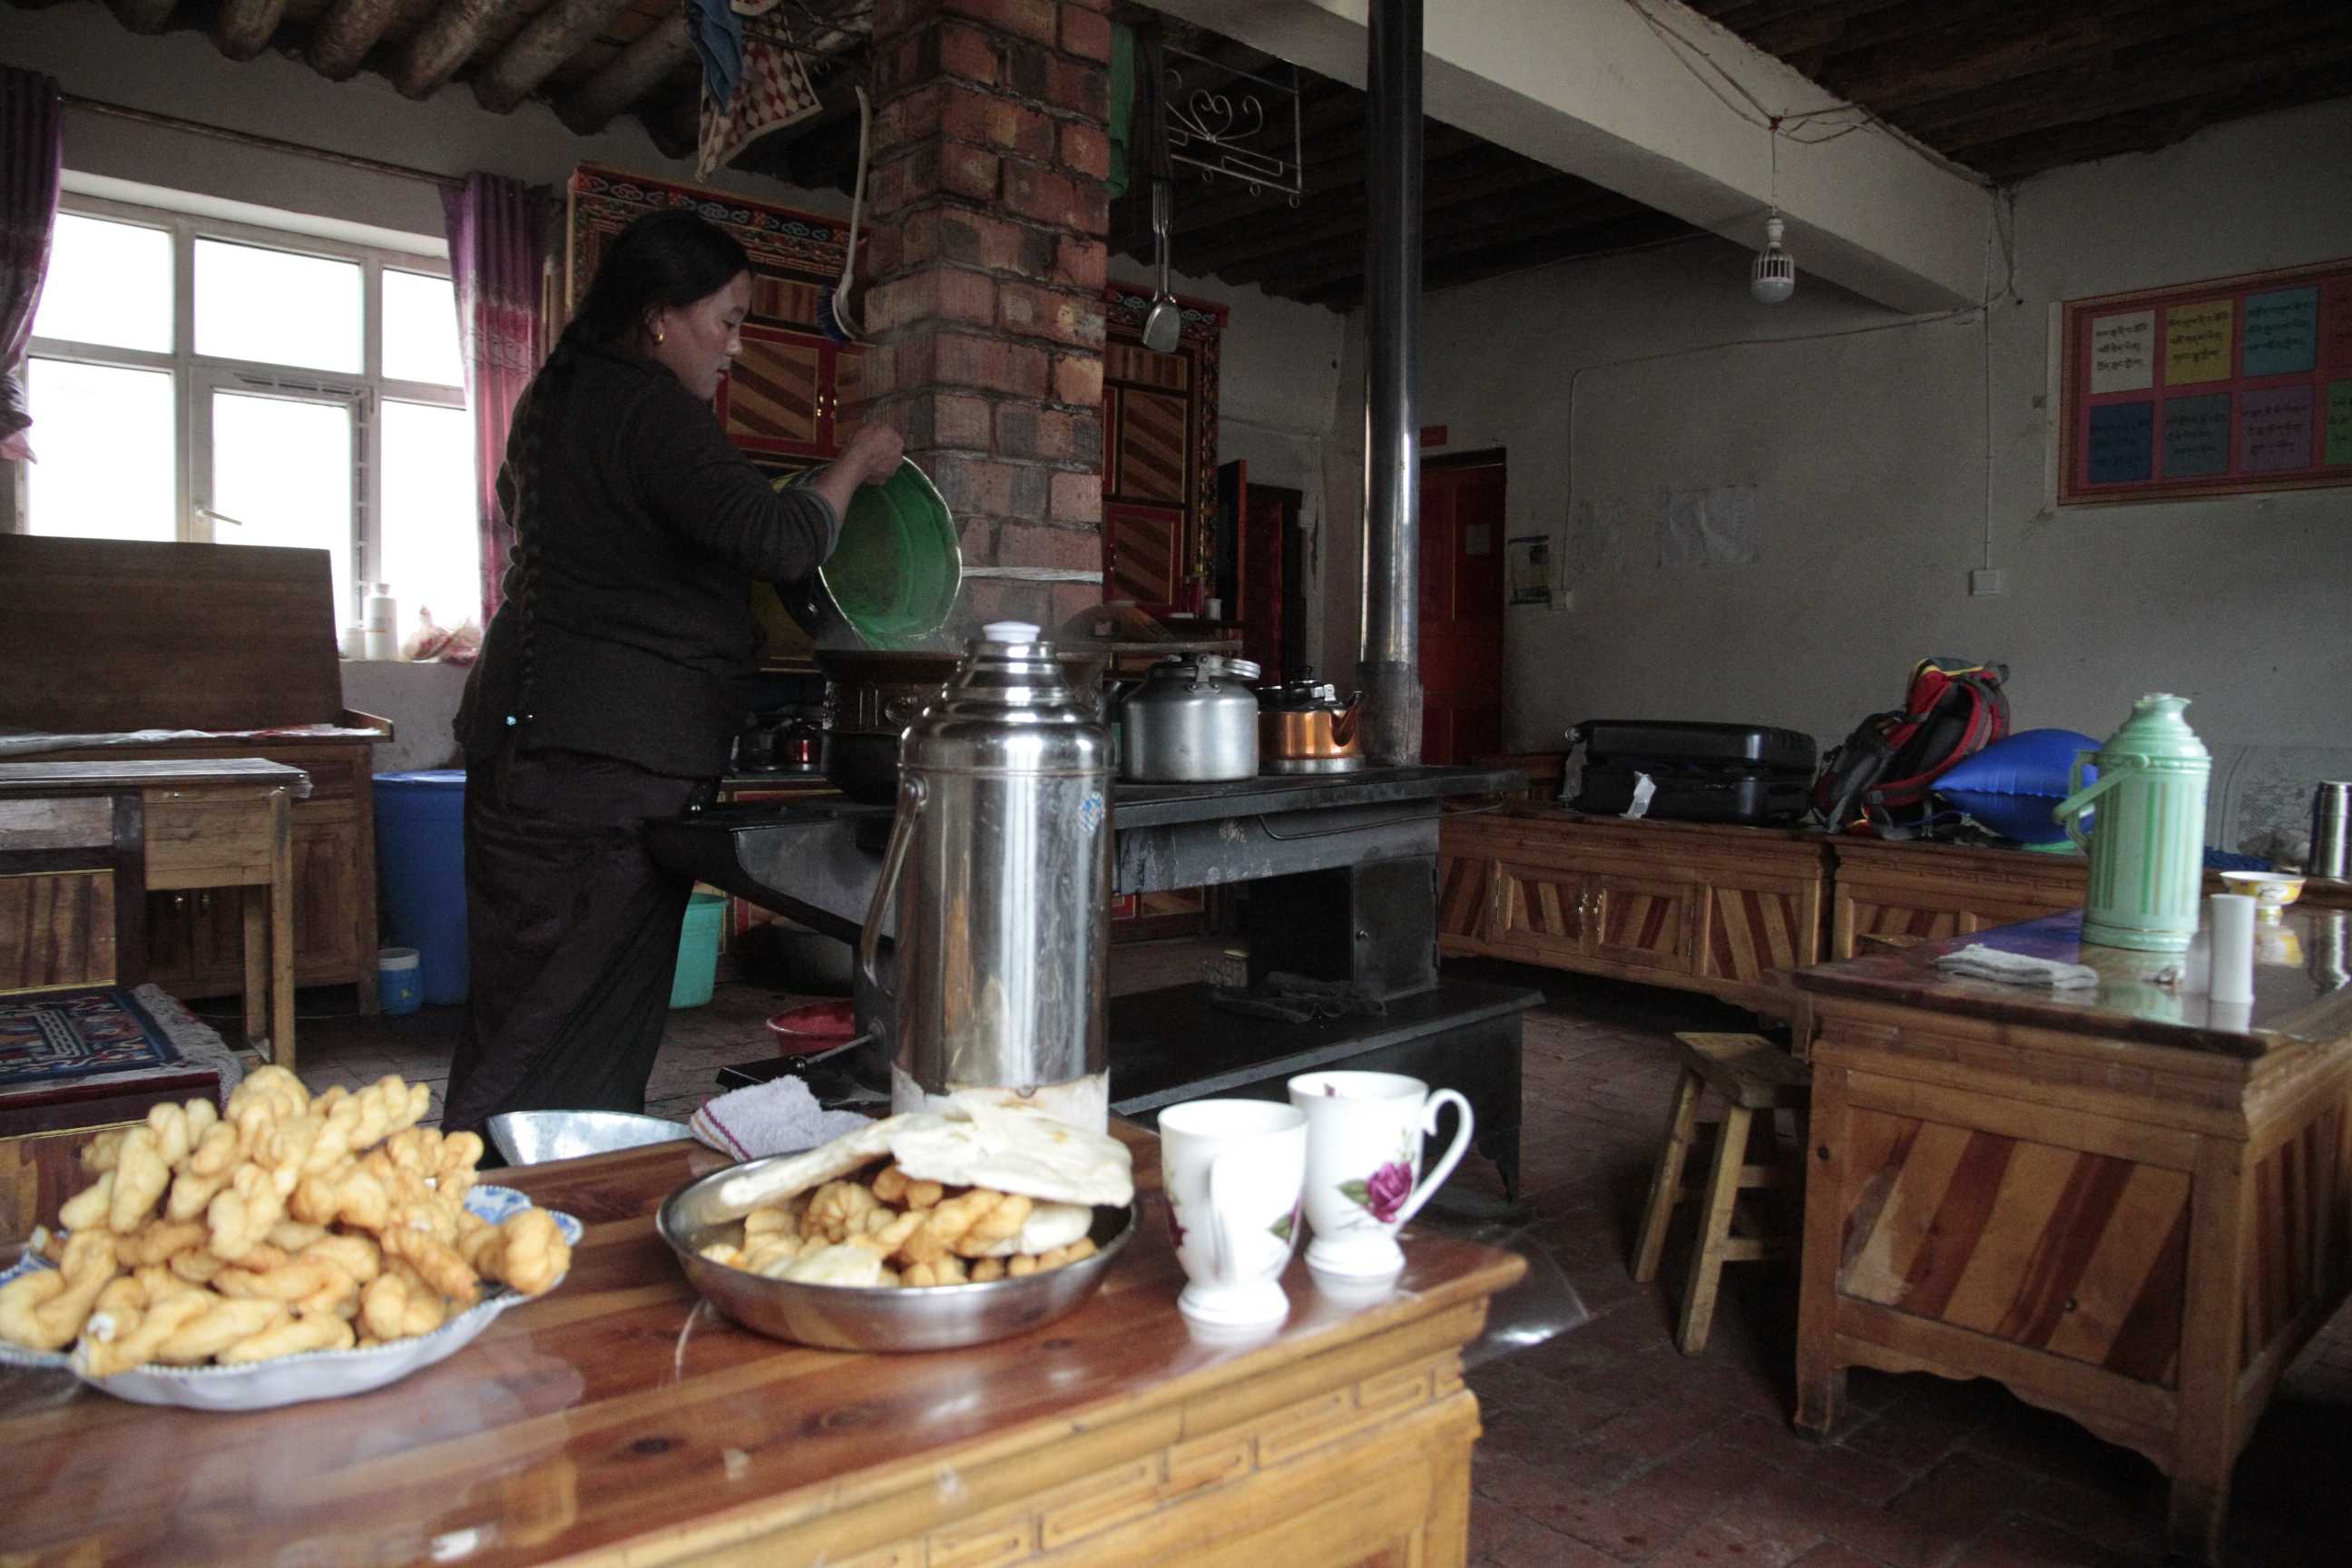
(1813, 126)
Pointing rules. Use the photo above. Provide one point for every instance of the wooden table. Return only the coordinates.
(2131, 1205)
(620, 1421)
(222, 823)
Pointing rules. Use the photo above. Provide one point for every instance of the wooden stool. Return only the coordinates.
(1750, 1074)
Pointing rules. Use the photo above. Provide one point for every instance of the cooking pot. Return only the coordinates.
(1304, 728)
(1193, 719)
(870, 698)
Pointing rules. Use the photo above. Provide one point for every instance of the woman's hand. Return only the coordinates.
(871, 457)
(874, 453)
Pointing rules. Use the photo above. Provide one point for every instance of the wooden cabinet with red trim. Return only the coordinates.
(1727, 911)
(1159, 456)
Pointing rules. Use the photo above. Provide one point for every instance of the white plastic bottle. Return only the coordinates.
(381, 616)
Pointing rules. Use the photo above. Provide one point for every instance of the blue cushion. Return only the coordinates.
(2011, 784)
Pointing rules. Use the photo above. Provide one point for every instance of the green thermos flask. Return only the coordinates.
(2147, 848)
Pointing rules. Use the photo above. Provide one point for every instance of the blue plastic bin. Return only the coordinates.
(420, 872)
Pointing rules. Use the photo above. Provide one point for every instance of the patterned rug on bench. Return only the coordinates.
(62, 1037)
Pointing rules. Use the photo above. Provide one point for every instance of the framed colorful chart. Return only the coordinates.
(2232, 386)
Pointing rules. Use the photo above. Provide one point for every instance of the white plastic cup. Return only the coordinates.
(2232, 924)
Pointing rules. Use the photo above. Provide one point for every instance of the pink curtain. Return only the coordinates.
(497, 250)
(32, 141)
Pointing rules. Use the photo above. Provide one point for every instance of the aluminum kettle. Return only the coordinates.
(1000, 860)
(1192, 720)
(2148, 849)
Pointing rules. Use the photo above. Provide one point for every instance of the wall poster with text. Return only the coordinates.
(2237, 384)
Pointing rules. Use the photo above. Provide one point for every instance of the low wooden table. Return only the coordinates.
(621, 1421)
(206, 823)
(2131, 1205)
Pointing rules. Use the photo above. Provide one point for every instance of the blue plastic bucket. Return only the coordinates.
(420, 872)
(697, 951)
(397, 988)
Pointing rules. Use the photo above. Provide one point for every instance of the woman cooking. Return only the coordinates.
(616, 670)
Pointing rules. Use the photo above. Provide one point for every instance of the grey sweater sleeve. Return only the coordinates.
(697, 484)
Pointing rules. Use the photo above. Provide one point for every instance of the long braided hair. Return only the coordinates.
(663, 261)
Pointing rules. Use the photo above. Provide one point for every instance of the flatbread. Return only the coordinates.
(1005, 1147)
(1015, 1150)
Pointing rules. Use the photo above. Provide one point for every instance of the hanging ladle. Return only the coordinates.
(1165, 324)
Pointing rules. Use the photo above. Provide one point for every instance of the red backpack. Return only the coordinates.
(1877, 782)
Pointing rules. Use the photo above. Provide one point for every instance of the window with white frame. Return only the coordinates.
(199, 380)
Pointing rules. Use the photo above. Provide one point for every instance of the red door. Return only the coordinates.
(1264, 521)
(1461, 610)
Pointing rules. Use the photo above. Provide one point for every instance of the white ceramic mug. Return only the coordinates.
(1363, 1163)
(1232, 1170)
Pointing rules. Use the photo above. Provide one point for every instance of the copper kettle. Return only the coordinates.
(1304, 728)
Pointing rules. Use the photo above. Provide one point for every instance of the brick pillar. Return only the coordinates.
(986, 265)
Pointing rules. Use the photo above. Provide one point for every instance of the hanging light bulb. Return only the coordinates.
(1772, 277)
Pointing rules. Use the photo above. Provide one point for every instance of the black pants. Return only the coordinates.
(572, 931)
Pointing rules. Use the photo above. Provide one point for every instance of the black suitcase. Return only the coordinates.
(1703, 773)
(1643, 743)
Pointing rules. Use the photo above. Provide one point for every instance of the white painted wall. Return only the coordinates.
(1869, 455)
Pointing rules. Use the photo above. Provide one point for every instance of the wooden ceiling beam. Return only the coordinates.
(344, 36)
(546, 41)
(1336, 166)
(1636, 230)
(1494, 224)
(629, 76)
(674, 134)
(1951, 62)
(2034, 152)
(142, 16)
(447, 41)
(1529, 187)
(2186, 65)
(244, 27)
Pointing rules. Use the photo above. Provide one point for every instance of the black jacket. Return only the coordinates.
(636, 544)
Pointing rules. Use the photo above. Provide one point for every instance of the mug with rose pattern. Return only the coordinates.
(1363, 1163)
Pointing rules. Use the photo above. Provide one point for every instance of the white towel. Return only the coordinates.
(1977, 961)
(780, 1116)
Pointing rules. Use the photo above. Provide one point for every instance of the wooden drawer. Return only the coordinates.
(196, 842)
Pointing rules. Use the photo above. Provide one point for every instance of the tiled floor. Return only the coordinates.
(1605, 1445)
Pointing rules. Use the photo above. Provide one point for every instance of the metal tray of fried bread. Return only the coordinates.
(878, 1318)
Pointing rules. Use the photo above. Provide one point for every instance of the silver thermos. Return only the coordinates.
(1000, 859)
(2331, 825)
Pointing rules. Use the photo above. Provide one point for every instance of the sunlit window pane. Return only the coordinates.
(104, 439)
(431, 548)
(108, 283)
(420, 328)
(282, 471)
(277, 307)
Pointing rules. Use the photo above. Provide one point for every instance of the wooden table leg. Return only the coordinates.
(1820, 1374)
(281, 931)
(256, 901)
(1714, 1228)
(2212, 1334)
(1668, 1178)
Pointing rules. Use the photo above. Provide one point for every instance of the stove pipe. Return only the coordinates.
(1389, 667)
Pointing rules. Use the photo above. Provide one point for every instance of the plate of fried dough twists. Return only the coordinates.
(925, 1231)
(286, 1249)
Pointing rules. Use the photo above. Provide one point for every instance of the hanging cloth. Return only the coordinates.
(32, 145)
(497, 254)
(718, 34)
